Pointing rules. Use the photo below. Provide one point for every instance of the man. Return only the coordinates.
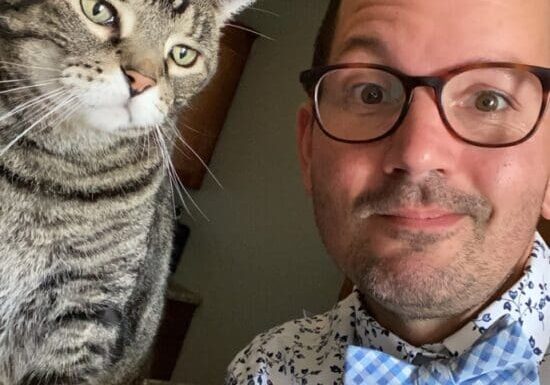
(428, 164)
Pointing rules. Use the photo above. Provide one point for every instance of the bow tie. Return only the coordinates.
(501, 356)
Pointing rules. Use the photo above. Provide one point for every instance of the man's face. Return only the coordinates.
(429, 226)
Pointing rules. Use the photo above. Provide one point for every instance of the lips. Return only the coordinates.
(421, 218)
(420, 213)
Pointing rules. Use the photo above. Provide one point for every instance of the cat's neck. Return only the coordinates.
(126, 165)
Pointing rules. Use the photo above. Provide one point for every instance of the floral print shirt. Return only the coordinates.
(312, 350)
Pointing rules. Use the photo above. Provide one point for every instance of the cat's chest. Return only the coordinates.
(45, 241)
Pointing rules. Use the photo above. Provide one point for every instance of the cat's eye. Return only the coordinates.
(99, 11)
(184, 56)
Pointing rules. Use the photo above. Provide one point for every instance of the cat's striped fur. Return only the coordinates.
(85, 203)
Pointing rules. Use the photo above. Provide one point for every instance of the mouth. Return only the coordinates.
(421, 218)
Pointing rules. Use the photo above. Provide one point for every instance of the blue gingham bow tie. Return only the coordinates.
(501, 356)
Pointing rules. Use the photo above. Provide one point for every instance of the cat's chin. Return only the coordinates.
(106, 119)
(119, 120)
(119, 113)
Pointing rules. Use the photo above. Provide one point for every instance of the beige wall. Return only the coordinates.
(259, 262)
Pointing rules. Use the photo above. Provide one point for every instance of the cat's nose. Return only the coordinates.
(138, 82)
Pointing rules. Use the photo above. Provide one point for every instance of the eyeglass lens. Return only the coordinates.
(492, 106)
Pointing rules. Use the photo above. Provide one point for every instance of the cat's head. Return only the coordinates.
(115, 66)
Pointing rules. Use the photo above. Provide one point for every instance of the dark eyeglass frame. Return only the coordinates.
(310, 80)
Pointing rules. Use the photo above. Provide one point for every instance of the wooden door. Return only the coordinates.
(544, 228)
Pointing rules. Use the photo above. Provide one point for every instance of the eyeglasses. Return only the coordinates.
(487, 105)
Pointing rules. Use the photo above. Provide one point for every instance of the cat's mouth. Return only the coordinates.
(136, 112)
(111, 107)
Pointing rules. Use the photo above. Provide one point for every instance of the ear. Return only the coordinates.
(304, 132)
(229, 8)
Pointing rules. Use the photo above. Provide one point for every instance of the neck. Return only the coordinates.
(420, 332)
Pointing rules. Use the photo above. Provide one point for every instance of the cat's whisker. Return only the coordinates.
(174, 131)
(173, 171)
(190, 148)
(266, 11)
(173, 188)
(58, 107)
(30, 109)
(30, 117)
(67, 114)
(181, 151)
(32, 102)
(176, 134)
(25, 80)
(42, 112)
(44, 84)
(7, 63)
(143, 145)
(148, 146)
(250, 30)
(202, 133)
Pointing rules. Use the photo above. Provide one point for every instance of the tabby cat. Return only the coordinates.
(88, 93)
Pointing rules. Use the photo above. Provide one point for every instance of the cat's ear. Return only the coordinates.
(229, 8)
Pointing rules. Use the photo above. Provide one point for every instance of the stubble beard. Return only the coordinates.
(422, 292)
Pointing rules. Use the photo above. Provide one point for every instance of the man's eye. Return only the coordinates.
(370, 93)
(491, 101)
(99, 11)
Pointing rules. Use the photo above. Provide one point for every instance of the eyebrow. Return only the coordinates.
(379, 48)
(365, 43)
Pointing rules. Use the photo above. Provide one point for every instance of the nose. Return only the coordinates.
(138, 82)
(422, 144)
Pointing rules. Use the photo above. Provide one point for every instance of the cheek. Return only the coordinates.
(511, 179)
(184, 88)
(346, 170)
(341, 173)
(40, 59)
(166, 96)
(498, 176)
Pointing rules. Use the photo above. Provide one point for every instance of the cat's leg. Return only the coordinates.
(81, 350)
(106, 340)
(104, 343)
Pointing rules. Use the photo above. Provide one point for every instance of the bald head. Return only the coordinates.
(511, 17)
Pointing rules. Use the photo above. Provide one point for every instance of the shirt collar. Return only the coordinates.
(528, 302)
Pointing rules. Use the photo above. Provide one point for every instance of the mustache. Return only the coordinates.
(400, 192)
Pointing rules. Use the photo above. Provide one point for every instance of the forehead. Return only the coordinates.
(159, 19)
(174, 11)
(431, 35)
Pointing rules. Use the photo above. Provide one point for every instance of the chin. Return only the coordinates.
(121, 115)
(435, 280)
(416, 291)
(115, 120)
(106, 119)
